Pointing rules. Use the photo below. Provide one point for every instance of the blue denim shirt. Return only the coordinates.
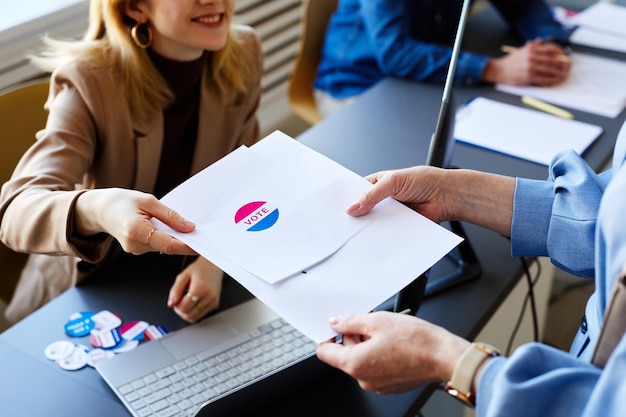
(368, 40)
(576, 218)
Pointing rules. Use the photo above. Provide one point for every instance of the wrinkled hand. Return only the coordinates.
(418, 187)
(536, 63)
(196, 290)
(481, 198)
(390, 352)
(125, 215)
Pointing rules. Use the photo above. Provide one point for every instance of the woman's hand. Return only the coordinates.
(196, 290)
(536, 63)
(125, 215)
(390, 352)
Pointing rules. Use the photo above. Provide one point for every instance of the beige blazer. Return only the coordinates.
(91, 141)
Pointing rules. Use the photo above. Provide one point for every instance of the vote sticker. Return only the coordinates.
(154, 332)
(133, 330)
(80, 326)
(98, 355)
(256, 216)
(105, 339)
(105, 320)
(59, 350)
(77, 360)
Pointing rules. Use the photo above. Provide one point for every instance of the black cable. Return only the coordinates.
(530, 296)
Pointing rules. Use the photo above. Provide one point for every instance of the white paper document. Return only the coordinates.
(237, 203)
(602, 16)
(598, 39)
(520, 132)
(273, 217)
(595, 85)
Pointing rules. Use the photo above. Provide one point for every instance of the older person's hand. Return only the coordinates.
(390, 352)
(481, 198)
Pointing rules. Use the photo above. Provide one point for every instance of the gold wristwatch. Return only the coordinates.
(461, 383)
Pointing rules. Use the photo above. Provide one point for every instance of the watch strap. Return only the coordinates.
(462, 380)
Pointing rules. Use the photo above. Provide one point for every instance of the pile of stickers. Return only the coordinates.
(107, 335)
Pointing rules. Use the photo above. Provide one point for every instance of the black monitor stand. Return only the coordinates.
(440, 155)
(466, 264)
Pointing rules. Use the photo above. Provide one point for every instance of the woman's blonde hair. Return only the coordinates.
(107, 42)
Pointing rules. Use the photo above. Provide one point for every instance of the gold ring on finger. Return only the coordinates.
(149, 236)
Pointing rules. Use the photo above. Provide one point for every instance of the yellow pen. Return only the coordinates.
(546, 107)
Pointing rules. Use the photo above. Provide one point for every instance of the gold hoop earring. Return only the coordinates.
(136, 35)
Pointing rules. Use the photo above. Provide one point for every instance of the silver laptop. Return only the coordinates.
(227, 364)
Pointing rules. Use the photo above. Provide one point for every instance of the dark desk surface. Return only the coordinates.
(388, 128)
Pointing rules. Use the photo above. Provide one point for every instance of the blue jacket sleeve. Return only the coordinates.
(531, 19)
(539, 380)
(368, 40)
(549, 215)
(398, 53)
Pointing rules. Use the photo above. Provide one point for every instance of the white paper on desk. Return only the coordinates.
(298, 209)
(396, 247)
(598, 39)
(603, 16)
(520, 132)
(595, 85)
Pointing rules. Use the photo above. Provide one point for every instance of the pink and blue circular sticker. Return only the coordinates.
(256, 216)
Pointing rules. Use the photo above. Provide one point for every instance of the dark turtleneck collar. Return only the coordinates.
(181, 76)
(180, 119)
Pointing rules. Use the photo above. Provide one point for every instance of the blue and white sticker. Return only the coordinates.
(79, 326)
(105, 339)
(77, 360)
(98, 355)
(59, 350)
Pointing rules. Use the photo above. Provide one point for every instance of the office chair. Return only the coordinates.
(21, 116)
(313, 20)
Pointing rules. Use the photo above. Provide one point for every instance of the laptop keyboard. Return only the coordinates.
(179, 389)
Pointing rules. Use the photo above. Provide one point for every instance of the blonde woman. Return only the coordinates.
(155, 91)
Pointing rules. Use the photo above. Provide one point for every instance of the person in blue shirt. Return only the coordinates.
(368, 40)
(575, 217)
